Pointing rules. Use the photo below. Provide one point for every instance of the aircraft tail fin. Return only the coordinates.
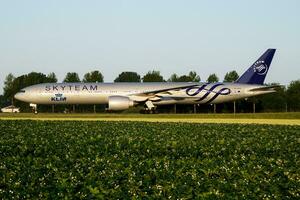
(256, 74)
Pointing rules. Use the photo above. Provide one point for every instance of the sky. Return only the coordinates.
(171, 36)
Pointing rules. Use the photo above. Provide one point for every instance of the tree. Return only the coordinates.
(8, 86)
(52, 78)
(94, 76)
(293, 96)
(231, 76)
(274, 102)
(184, 78)
(128, 77)
(194, 77)
(3, 101)
(153, 76)
(191, 77)
(71, 77)
(212, 78)
(174, 78)
(34, 78)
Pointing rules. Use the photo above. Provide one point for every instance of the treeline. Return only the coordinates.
(287, 99)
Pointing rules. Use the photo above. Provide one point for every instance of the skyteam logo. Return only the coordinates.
(59, 98)
(194, 91)
(260, 68)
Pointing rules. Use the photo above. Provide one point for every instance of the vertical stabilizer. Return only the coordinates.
(256, 74)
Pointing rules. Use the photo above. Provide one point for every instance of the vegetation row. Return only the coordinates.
(138, 160)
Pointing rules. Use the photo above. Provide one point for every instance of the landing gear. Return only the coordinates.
(147, 111)
(34, 107)
(149, 108)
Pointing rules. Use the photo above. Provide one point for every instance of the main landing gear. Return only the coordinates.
(147, 111)
(150, 108)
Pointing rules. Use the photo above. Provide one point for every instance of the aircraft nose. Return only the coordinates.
(19, 96)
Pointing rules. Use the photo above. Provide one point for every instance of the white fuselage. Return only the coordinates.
(99, 93)
(121, 96)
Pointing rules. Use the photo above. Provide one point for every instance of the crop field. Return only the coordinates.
(146, 160)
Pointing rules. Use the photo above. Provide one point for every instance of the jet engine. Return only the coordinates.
(119, 103)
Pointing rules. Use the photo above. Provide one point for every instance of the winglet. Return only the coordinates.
(256, 74)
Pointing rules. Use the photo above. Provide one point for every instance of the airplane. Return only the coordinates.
(122, 96)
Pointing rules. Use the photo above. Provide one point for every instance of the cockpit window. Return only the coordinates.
(23, 91)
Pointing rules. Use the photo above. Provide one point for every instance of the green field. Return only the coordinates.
(137, 160)
(281, 115)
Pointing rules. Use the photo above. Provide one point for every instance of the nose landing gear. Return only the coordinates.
(34, 107)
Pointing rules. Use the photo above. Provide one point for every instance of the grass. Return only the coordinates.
(257, 118)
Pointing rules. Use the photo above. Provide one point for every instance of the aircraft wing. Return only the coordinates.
(166, 90)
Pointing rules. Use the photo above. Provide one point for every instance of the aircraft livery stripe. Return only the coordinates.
(220, 92)
(208, 91)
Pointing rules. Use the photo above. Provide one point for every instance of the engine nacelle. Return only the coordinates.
(119, 103)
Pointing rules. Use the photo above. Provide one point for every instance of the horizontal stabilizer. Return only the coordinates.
(266, 88)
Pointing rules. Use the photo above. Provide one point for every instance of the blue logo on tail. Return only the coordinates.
(260, 68)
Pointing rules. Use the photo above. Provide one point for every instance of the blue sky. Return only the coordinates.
(171, 36)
